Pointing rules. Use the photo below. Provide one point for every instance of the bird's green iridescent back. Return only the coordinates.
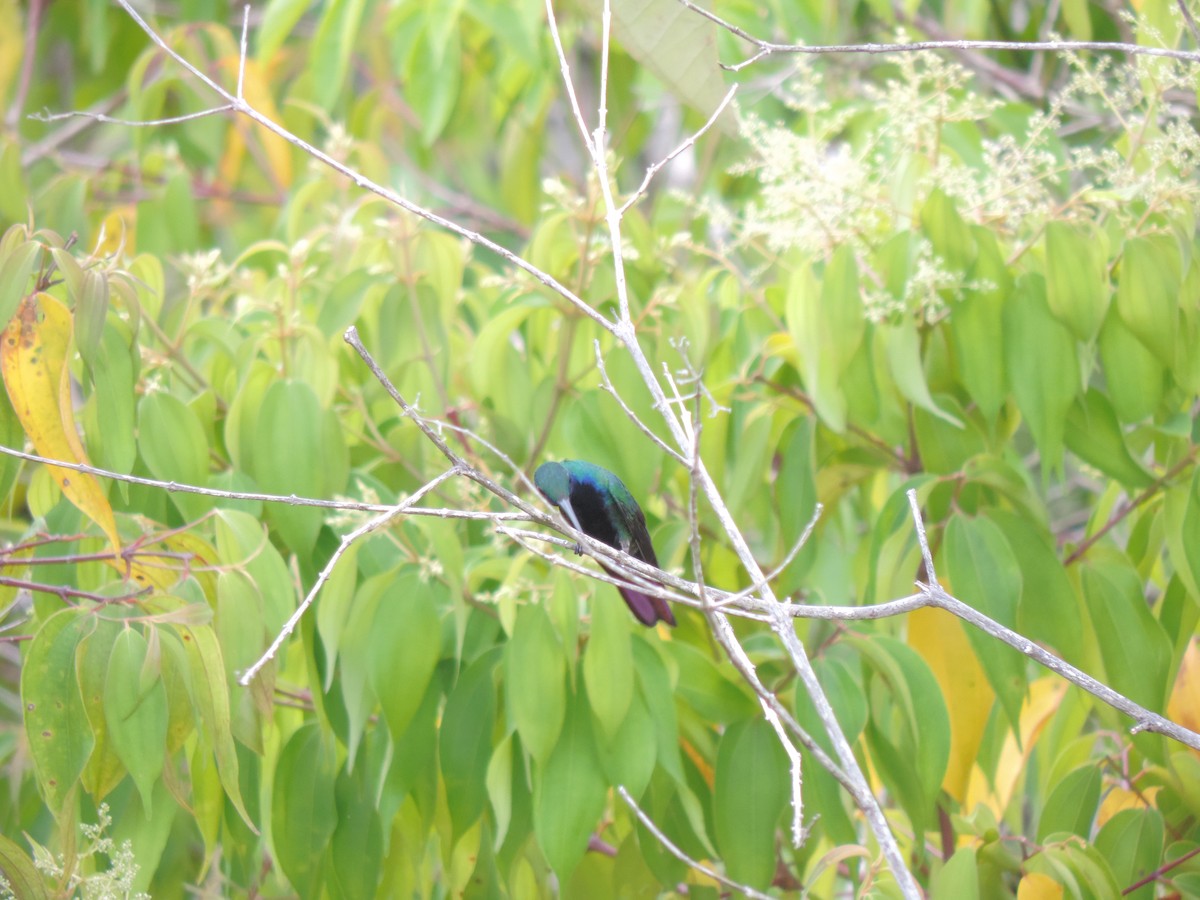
(624, 512)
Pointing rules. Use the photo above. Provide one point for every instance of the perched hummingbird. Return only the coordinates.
(596, 502)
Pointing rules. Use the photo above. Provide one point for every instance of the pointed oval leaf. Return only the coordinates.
(1077, 289)
(608, 665)
(1148, 292)
(303, 807)
(135, 711)
(405, 645)
(465, 741)
(535, 681)
(56, 723)
(288, 459)
(750, 792)
(985, 575)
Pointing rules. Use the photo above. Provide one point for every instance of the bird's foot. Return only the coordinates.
(578, 548)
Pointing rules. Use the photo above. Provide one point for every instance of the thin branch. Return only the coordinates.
(675, 851)
(633, 417)
(366, 528)
(1144, 719)
(768, 48)
(290, 499)
(654, 168)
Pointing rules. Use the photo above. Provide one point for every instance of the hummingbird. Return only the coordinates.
(597, 503)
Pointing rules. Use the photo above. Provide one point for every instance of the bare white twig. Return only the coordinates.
(654, 168)
(674, 849)
(347, 540)
(633, 417)
(1144, 719)
(764, 49)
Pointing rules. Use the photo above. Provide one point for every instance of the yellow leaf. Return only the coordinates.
(1040, 704)
(12, 43)
(939, 638)
(1183, 707)
(33, 356)
(118, 231)
(1036, 886)
(1118, 798)
(278, 152)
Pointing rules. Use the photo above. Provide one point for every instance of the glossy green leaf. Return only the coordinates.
(1133, 645)
(976, 327)
(984, 574)
(172, 443)
(1076, 272)
(356, 845)
(629, 756)
(951, 237)
(288, 459)
(210, 695)
(23, 878)
(569, 793)
(908, 731)
(135, 709)
(903, 346)
(1095, 436)
(708, 689)
(111, 442)
(56, 724)
(465, 741)
(535, 681)
(104, 769)
(405, 645)
(1042, 367)
(959, 877)
(751, 789)
(1133, 374)
(657, 690)
(91, 312)
(303, 807)
(1148, 292)
(608, 665)
(1132, 842)
(1071, 806)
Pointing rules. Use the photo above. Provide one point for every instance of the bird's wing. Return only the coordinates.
(639, 537)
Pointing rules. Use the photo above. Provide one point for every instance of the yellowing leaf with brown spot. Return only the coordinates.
(33, 354)
(939, 638)
(1040, 704)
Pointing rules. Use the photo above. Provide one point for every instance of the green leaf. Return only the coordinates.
(629, 756)
(303, 807)
(1148, 292)
(331, 49)
(657, 690)
(465, 741)
(903, 346)
(959, 877)
(535, 674)
(1076, 271)
(15, 270)
(24, 880)
(715, 693)
(608, 665)
(1132, 842)
(569, 793)
(91, 312)
(1095, 436)
(1071, 806)
(172, 442)
(1042, 367)
(1133, 374)
(56, 723)
(288, 459)
(950, 236)
(1051, 612)
(104, 769)
(111, 441)
(356, 846)
(1135, 649)
(827, 324)
(405, 645)
(135, 707)
(210, 695)
(908, 731)
(976, 327)
(751, 789)
(984, 574)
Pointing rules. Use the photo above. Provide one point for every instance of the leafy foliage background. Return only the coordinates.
(975, 278)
